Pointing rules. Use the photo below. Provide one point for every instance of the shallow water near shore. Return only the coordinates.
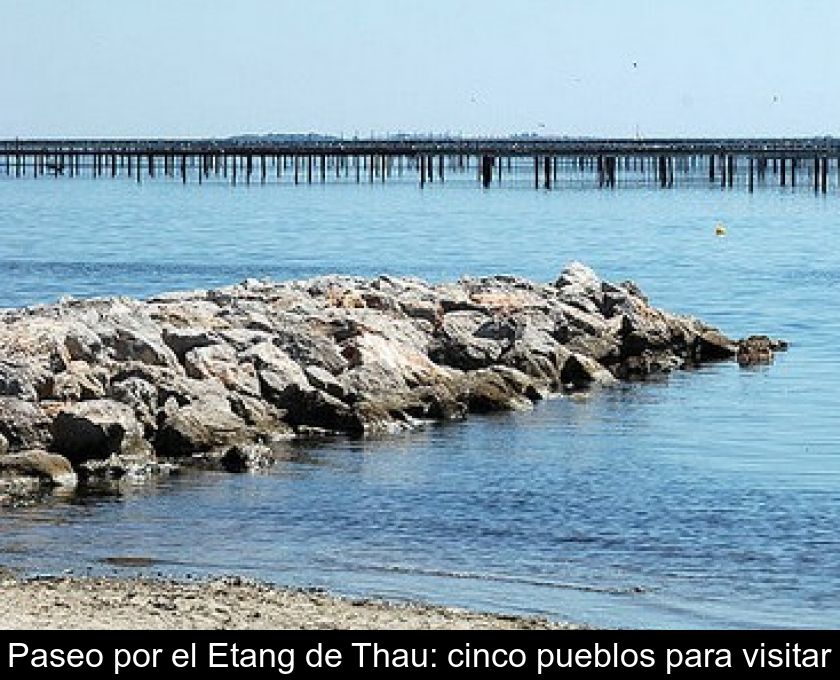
(707, 499)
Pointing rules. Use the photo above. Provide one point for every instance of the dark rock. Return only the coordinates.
(502, 330)
(418, 308)
(273, 385)
(487, 390)
(262, 416)
(96, 429)
(758, 349)
(440, 404)
(710, 345)
(314, 408)
(342, 330)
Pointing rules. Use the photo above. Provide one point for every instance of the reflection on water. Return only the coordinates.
(616, 510)
(707, 499)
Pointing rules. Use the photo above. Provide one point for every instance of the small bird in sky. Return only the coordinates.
(635, 64)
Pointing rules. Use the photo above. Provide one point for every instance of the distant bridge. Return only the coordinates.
(605, 162)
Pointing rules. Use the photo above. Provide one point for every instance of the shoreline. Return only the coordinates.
(229, 603)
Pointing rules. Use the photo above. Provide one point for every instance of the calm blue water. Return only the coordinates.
(709, 499)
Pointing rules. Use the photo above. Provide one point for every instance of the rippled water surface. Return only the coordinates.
(709, 499)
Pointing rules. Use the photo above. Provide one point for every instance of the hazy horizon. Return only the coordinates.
(603, 68)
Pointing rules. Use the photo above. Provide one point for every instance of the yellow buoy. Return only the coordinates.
(720, 230)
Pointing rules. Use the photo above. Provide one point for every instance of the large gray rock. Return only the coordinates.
(200, 427)
(48, 468)
(266, 356)
(538, 355)
(129, 344)
(23, 424)
(580, 287)
(17, 380)
(139, 394)
(308, 343)
(462, 349)
(578, 275)
(220, 362)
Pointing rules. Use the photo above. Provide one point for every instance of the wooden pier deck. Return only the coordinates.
(544, 162)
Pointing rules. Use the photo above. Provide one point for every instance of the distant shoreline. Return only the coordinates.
(63, 603)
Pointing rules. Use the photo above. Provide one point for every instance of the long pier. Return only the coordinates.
(546, 162)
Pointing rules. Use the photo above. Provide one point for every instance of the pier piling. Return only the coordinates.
(554, 160)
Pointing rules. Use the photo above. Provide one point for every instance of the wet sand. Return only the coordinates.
(229, 603)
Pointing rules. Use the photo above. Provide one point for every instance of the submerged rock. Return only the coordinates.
(248, 458)
(758, 349)
(116, 385)
(117, 467)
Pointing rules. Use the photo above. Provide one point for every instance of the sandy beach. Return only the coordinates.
(229, 603)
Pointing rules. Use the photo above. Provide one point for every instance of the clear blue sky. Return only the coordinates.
(206, 67)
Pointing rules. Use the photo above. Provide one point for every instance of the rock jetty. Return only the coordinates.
(120, 386)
